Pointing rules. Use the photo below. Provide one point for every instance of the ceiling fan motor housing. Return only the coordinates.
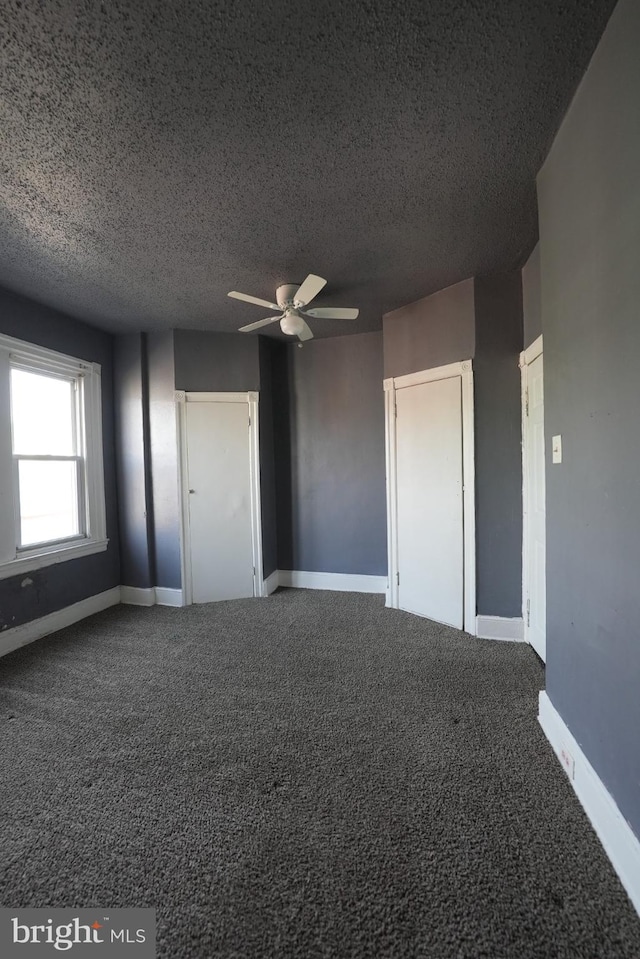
(285, 295)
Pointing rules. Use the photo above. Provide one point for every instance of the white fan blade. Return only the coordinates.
(329, 313)
(253, 299)
(310, 288)
(256, 326)
(305, 333)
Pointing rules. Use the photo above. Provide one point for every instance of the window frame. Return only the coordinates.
(15, 559)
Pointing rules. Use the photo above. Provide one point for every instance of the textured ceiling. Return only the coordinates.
(157, 154)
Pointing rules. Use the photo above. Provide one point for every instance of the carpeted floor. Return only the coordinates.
(309, 775)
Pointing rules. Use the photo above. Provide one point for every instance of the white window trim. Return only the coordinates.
(96, 542)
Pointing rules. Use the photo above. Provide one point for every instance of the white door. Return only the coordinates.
(429, 500)
(219, 506)
(534, 512)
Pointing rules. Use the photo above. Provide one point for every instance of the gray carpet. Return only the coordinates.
(309, 775)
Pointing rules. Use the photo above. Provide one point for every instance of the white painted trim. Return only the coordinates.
(429, 376)
(165, 596)
(191, 397)
(620, 843)
(256, 501)
(469, 496)
(88, 455)
(526, 357)
(18, 636)
(345, 582)
(271, 583)
(464, 370)
(154, 595)
(524, 386)
(43, 355)
(500, 627)
(392, 493)
(93, 441)
(251, 399)
(183, 497)
(136, 596)
(532, 352)
(60, 554)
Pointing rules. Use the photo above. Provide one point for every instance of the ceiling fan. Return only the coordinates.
(290, 300)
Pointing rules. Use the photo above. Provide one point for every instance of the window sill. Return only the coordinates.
(26, 564)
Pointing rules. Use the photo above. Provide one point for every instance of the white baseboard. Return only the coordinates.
(134, 596)
(500, 627)
(346, 582)
(160, 595)
(621, 845)
(17, 636)
(168, 597)
(271, 583)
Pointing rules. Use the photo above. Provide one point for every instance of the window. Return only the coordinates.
(51, 471)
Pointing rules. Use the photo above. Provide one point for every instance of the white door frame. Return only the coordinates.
(526, 357)
(251, 399)
(465, 371)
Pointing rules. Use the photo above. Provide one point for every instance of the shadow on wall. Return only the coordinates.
(478, 319)
(330, 456)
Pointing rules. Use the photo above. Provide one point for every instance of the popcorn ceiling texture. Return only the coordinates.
(157, 155)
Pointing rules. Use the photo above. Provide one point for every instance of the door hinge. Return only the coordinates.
(526, 403)
(528, 612)
(249, 422)
(397, 579)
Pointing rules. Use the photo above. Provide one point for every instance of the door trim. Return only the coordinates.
(526, 357)
(251, 399)
(465, 371)
(531, 353)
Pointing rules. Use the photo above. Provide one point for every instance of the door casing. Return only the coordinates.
(465, 371)
(526, 358)
(251, 400)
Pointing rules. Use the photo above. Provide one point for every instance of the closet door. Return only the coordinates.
(219, 500)
(430, 500)
(534, 593)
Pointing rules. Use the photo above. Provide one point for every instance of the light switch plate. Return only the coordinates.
(556, 449)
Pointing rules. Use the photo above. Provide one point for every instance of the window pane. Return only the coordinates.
(42, 414)
(48, 500)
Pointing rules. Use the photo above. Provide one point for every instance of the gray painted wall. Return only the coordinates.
(281, 390)
(589, 205)
(230, 363)
(479, 319)
(498, 432)
(267, 348)
(132, 446)
(163, 447)
(531, 303)
(223, 362)
(336, 488)
(55, 587)
(149, 369)
(431, 332)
